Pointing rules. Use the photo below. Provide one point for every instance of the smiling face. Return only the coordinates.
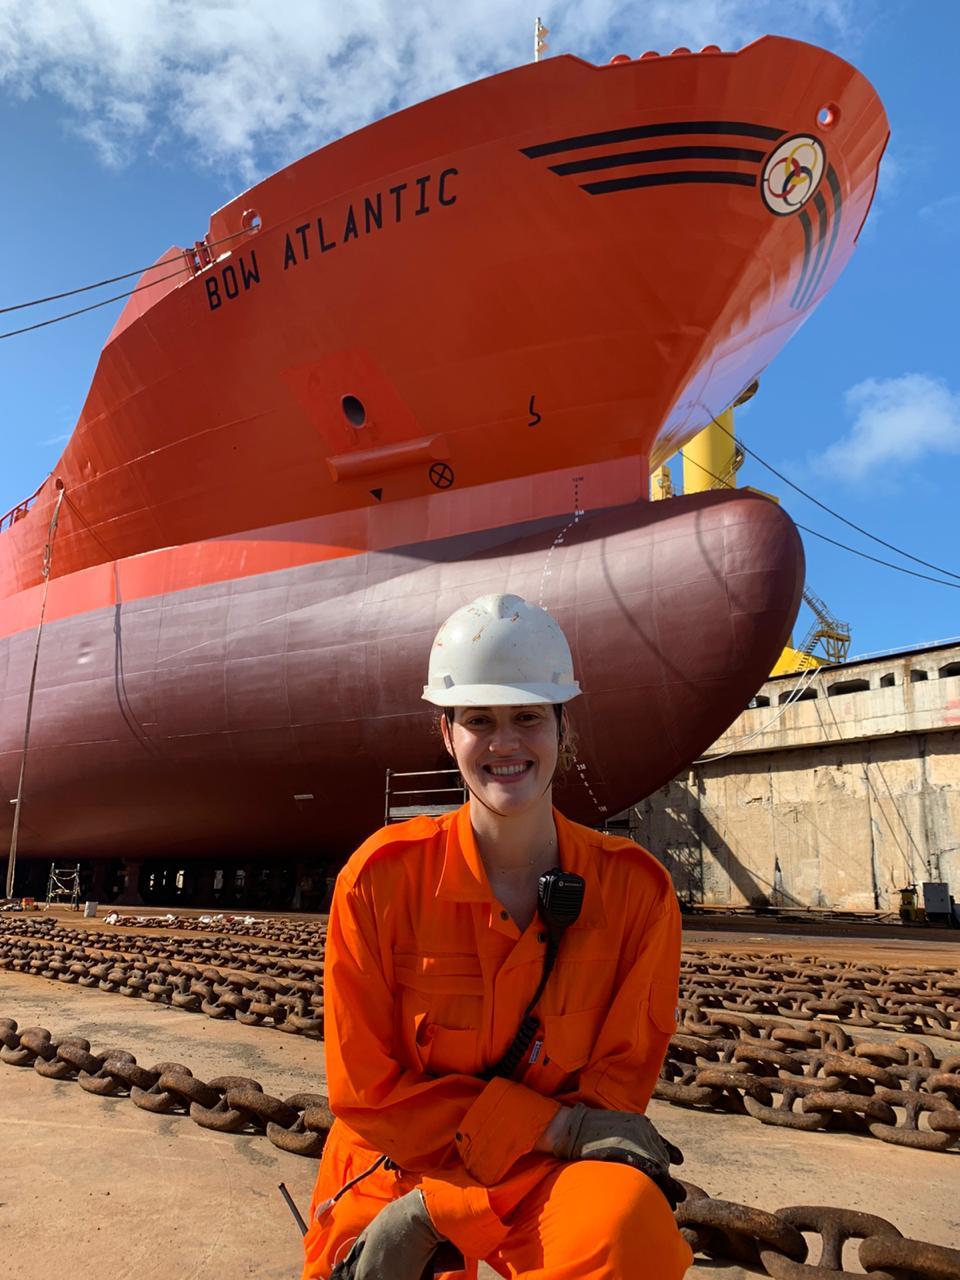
(507, 755)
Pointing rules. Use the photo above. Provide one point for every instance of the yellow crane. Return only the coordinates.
(711, 460)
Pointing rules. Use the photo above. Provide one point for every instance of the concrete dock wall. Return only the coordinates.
(831, 791)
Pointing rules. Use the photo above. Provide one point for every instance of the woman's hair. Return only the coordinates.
(568, 746)
(567, 740)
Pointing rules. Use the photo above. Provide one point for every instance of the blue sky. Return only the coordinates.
(123, 127)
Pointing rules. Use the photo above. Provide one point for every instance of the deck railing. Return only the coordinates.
(436, 791)
(19, 511)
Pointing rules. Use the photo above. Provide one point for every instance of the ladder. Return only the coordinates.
(63, 885)
(728, 479)
(825, 628)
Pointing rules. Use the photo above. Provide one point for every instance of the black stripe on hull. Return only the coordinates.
(654, 155)
(734, 128)
(677, 178)
(804, 220)
(828, 221)
(817, 277)
(823, 223)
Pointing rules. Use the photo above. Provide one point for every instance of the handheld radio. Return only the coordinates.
(559, 902)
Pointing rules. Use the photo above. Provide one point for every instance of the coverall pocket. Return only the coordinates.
(444, 974)
(438, 993)
(447, 1050)
(568, 1043)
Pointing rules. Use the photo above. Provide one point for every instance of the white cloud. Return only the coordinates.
(895, 421)
(249, 85)
(943, 213)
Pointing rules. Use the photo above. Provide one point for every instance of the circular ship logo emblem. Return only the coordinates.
(792, 174)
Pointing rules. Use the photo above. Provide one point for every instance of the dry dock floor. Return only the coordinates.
(94, 1187)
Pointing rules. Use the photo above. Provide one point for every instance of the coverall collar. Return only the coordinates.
(464, 879)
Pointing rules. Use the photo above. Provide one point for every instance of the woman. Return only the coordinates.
(487, 1058)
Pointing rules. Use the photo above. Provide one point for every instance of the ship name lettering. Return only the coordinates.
(397, 193)
(373, 213)
(442, 195)
(363, 218)
(228, 282)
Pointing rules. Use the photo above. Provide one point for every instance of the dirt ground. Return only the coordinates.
(939, 949)
(95, 1187)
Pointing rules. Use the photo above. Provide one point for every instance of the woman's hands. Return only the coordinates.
(399, 1244)
(555, 1134)
(589, 1133)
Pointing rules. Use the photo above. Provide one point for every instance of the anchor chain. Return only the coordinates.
(771, 1244)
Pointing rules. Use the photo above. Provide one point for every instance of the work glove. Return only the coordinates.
(622, 1137)
(399, 1244)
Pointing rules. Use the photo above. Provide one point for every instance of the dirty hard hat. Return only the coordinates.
(500, 651)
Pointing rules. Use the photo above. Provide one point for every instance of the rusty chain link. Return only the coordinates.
(907, 999)
(766, 1036)
(298, 941)
(760, 1036)
(814, 1077)
(228, 1104)
(772, 1243)
(283, 992)
(293, 930)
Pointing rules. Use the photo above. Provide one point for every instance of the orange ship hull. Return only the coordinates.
(493, 308)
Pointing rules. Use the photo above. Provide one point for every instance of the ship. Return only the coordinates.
(435, 358)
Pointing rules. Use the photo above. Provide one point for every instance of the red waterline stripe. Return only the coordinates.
(413, 522)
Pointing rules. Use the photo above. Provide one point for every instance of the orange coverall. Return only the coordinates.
(427, 979)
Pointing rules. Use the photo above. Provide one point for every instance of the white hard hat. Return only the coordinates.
(500, 651)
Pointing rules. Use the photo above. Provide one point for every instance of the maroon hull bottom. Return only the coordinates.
(187, 725)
